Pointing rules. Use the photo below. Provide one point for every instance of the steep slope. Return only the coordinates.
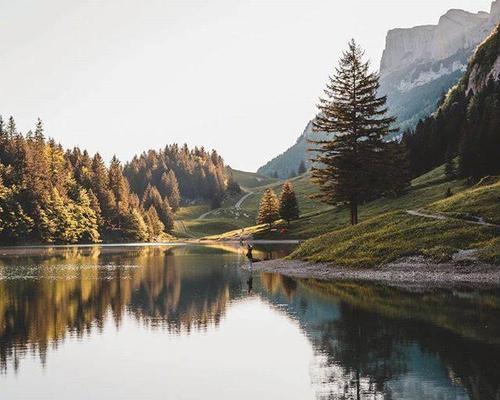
(287, 163)
(419, 65)
(396, 234)
(248, 180)
(467, 122)
(465, 219)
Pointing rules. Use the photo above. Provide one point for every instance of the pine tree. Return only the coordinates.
(119, 186)
(349, 166)
(155, 226)
(152, 197)
(302, 168)
(232, 186)
(268, 208)
(134, 227)
(397, 174)
(288, 205)
(15, 224)
(165, 213)
(86, 219)
(170, 188)
(100, 187)
(450, 169)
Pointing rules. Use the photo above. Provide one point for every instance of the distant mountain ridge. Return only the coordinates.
(287, 163)
(418, 67)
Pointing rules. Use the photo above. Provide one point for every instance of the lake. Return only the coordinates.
(188, 322)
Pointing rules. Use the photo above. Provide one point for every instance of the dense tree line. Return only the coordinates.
(179, 174)
(466, 124)
(48, 195)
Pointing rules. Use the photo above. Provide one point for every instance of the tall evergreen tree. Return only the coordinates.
(165, 213)
(120, 188)
(268, 208)
(397, 175)
(170, 188)
(349, 166)
(135, 228)
(302, 168)
(288, 204)
(449, 166)
(155, 226)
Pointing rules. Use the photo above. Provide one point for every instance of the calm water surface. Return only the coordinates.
(187, 322)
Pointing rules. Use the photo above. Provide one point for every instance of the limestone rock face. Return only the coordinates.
(420, 64)
(456, 30)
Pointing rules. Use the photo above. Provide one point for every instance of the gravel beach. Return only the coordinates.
(410, 272)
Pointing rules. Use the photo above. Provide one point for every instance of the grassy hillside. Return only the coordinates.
(395, 234)
(482, 200)
(390, 236)
(189, 224)
(386, 232)
(250, 180)
(197, 221)
(303, 187)
(317, 218)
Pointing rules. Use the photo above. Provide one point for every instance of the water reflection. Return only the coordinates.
(369, 341)
(374, 342)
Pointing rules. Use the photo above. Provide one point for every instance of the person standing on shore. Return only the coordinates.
(250, 255)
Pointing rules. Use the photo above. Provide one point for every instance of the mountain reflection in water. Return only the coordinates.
(367, 341)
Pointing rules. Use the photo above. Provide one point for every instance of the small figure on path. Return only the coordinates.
(250, 255)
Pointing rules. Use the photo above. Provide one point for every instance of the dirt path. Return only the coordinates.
(237, 206)
(444, 217)
(204, 215)
(240, 201)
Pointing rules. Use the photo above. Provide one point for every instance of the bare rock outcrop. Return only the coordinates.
(456, 30)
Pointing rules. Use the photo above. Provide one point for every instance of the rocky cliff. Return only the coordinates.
(420, 64)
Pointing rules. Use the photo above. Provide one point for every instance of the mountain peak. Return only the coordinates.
(495, 9)
(457, 29)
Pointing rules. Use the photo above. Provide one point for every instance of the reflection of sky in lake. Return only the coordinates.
(179, 323)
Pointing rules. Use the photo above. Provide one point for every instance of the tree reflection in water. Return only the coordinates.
(374, 342)
(44, 297)
(370, 341)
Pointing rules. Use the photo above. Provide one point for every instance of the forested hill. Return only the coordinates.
(467, 122)
(49, 195)
(199, 174)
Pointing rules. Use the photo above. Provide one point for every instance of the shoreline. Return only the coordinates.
(414, 273)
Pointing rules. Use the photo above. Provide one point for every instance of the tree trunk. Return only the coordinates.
(354, 212)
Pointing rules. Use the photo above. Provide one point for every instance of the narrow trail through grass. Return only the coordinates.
(479, 220)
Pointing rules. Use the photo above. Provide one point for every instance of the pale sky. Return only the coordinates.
(241, 76)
